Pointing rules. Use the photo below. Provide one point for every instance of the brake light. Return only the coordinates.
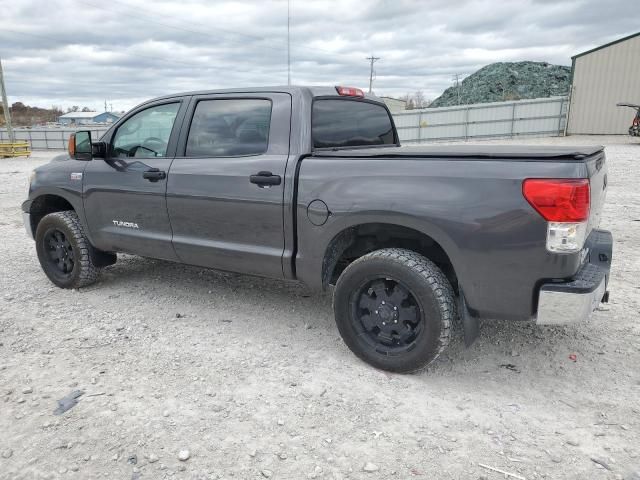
(349, 92)
(558, 200)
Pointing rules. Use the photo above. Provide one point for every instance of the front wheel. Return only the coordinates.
(65, 254)
(394, 309)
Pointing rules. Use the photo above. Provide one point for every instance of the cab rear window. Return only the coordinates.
(339, 123)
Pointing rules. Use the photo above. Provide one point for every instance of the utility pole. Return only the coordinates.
(5, 107)
(288, 42)
(105, 105)
(456, 77)
(372, 60)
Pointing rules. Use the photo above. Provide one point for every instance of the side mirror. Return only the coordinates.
(80, 145)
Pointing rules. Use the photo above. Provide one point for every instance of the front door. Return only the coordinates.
(125, 194)
(225, 189)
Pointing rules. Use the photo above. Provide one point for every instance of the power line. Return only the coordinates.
(118, 51)
(372, 59)
(147, 14)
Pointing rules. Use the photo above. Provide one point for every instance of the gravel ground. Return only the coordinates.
(251, 377)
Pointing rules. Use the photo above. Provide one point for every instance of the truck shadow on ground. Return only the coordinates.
(501, 346)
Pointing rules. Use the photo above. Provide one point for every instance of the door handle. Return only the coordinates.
(265, 179)
(154, 174)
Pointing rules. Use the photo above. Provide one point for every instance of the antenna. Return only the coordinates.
(371, 59)
(288, 42)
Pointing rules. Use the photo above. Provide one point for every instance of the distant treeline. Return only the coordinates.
(25, 116)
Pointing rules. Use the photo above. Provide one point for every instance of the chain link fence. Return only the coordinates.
(52, 138)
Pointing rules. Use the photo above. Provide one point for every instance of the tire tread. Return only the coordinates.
(89, 272)
(434, 277)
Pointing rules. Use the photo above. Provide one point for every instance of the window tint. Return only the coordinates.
(349, 123)
(228, 128)
(146, 134)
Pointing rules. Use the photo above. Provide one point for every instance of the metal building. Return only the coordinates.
(602, 77)
(87, 118)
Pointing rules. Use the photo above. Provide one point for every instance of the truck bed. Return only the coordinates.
(464, 199)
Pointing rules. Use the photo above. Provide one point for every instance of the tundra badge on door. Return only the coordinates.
(120, 223)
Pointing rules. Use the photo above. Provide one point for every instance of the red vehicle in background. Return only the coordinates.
(634, 129)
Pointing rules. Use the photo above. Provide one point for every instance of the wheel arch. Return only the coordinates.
(46, 203)
(357, 240)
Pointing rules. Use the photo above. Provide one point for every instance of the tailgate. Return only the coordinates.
(597, 168)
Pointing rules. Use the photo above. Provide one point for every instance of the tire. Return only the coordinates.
(394, 309)
(64, 252)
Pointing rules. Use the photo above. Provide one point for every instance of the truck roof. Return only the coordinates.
(313, 91)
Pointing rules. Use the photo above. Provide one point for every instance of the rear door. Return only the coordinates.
(225, 188)
(125, 194)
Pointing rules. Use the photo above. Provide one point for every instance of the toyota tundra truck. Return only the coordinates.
(311, 184)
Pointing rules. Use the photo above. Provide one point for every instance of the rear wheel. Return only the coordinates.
(64, 252)
(394, 309)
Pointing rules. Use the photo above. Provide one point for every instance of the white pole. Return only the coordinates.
(5, 107)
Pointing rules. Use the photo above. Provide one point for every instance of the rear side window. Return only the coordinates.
(229, 128)
(349, 123)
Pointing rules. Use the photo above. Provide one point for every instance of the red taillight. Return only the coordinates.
(349, 92)
(558, 200)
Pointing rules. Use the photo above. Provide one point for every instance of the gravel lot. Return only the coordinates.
(251, 377)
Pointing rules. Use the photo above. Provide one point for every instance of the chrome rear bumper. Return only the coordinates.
(575, 300)
(557, 308)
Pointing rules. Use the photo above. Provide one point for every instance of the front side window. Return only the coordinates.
(229, 128)
(349, 123)
(146, 134)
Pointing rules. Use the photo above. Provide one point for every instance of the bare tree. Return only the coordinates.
(415, 100)
(418, 99)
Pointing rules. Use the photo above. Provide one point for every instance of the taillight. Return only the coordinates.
(564, 203)
(349, 92)
(558, 200)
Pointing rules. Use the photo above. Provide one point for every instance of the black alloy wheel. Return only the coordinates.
(60, 252)
(388, 314)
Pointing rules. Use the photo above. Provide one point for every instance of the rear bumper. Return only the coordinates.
(575, 300)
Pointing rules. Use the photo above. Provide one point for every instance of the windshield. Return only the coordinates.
(350, 123)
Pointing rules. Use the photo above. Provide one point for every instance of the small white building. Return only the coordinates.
(87, 118)
(394, 104)
(602, 77)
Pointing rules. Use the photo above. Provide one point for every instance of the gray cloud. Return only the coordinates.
(81, 52)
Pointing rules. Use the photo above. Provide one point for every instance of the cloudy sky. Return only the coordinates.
(81, 52)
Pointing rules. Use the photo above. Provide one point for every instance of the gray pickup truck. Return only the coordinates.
(311, 184)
